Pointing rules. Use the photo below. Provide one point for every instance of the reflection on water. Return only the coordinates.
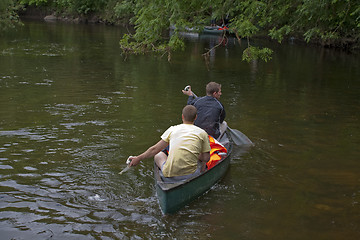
(72, 111)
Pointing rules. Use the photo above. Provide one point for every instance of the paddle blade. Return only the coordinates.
(128, 161)
(124, 170)
(239, 138)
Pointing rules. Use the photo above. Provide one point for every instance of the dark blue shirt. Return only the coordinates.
(210, 113)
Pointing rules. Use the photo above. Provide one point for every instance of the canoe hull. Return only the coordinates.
(172, 197)
(214, 30)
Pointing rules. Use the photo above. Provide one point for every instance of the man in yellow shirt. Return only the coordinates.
(187, 143)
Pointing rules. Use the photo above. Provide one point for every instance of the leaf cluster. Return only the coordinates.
(252, 53)
(82, 7)
(8, 14)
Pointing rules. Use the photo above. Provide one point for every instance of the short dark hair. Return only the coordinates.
(212, 87)
(189, 112)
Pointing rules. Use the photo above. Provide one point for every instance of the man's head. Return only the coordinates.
(189, 113)
(213, 89)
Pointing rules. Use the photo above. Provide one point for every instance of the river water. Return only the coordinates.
(72, 110)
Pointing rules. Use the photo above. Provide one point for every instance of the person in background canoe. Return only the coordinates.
(188, 144)
(211, 112)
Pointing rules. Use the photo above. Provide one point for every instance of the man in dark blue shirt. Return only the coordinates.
(211, 112)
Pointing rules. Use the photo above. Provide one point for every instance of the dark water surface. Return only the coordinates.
(72, 110)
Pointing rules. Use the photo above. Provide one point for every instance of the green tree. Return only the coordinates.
(329, 22)
(8, 14)
(153, 18)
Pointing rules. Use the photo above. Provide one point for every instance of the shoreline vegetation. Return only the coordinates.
(330, 24)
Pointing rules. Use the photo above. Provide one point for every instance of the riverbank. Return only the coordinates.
(49, 15)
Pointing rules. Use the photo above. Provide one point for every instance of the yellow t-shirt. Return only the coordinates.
(186, 142)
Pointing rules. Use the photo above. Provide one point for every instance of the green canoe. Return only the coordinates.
(173, 196)
(215, 30)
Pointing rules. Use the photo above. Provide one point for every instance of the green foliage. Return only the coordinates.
(253, 53)
(356, 14)
(76, 6)
(124, 9)
(329, 22)
(279, 34)
(34, 2)
(176, 43)
(88, 6)
(152, 21)
(8, 15)
(243, 27)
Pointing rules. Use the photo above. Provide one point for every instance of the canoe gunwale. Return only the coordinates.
(170, 186)
(190, 188)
